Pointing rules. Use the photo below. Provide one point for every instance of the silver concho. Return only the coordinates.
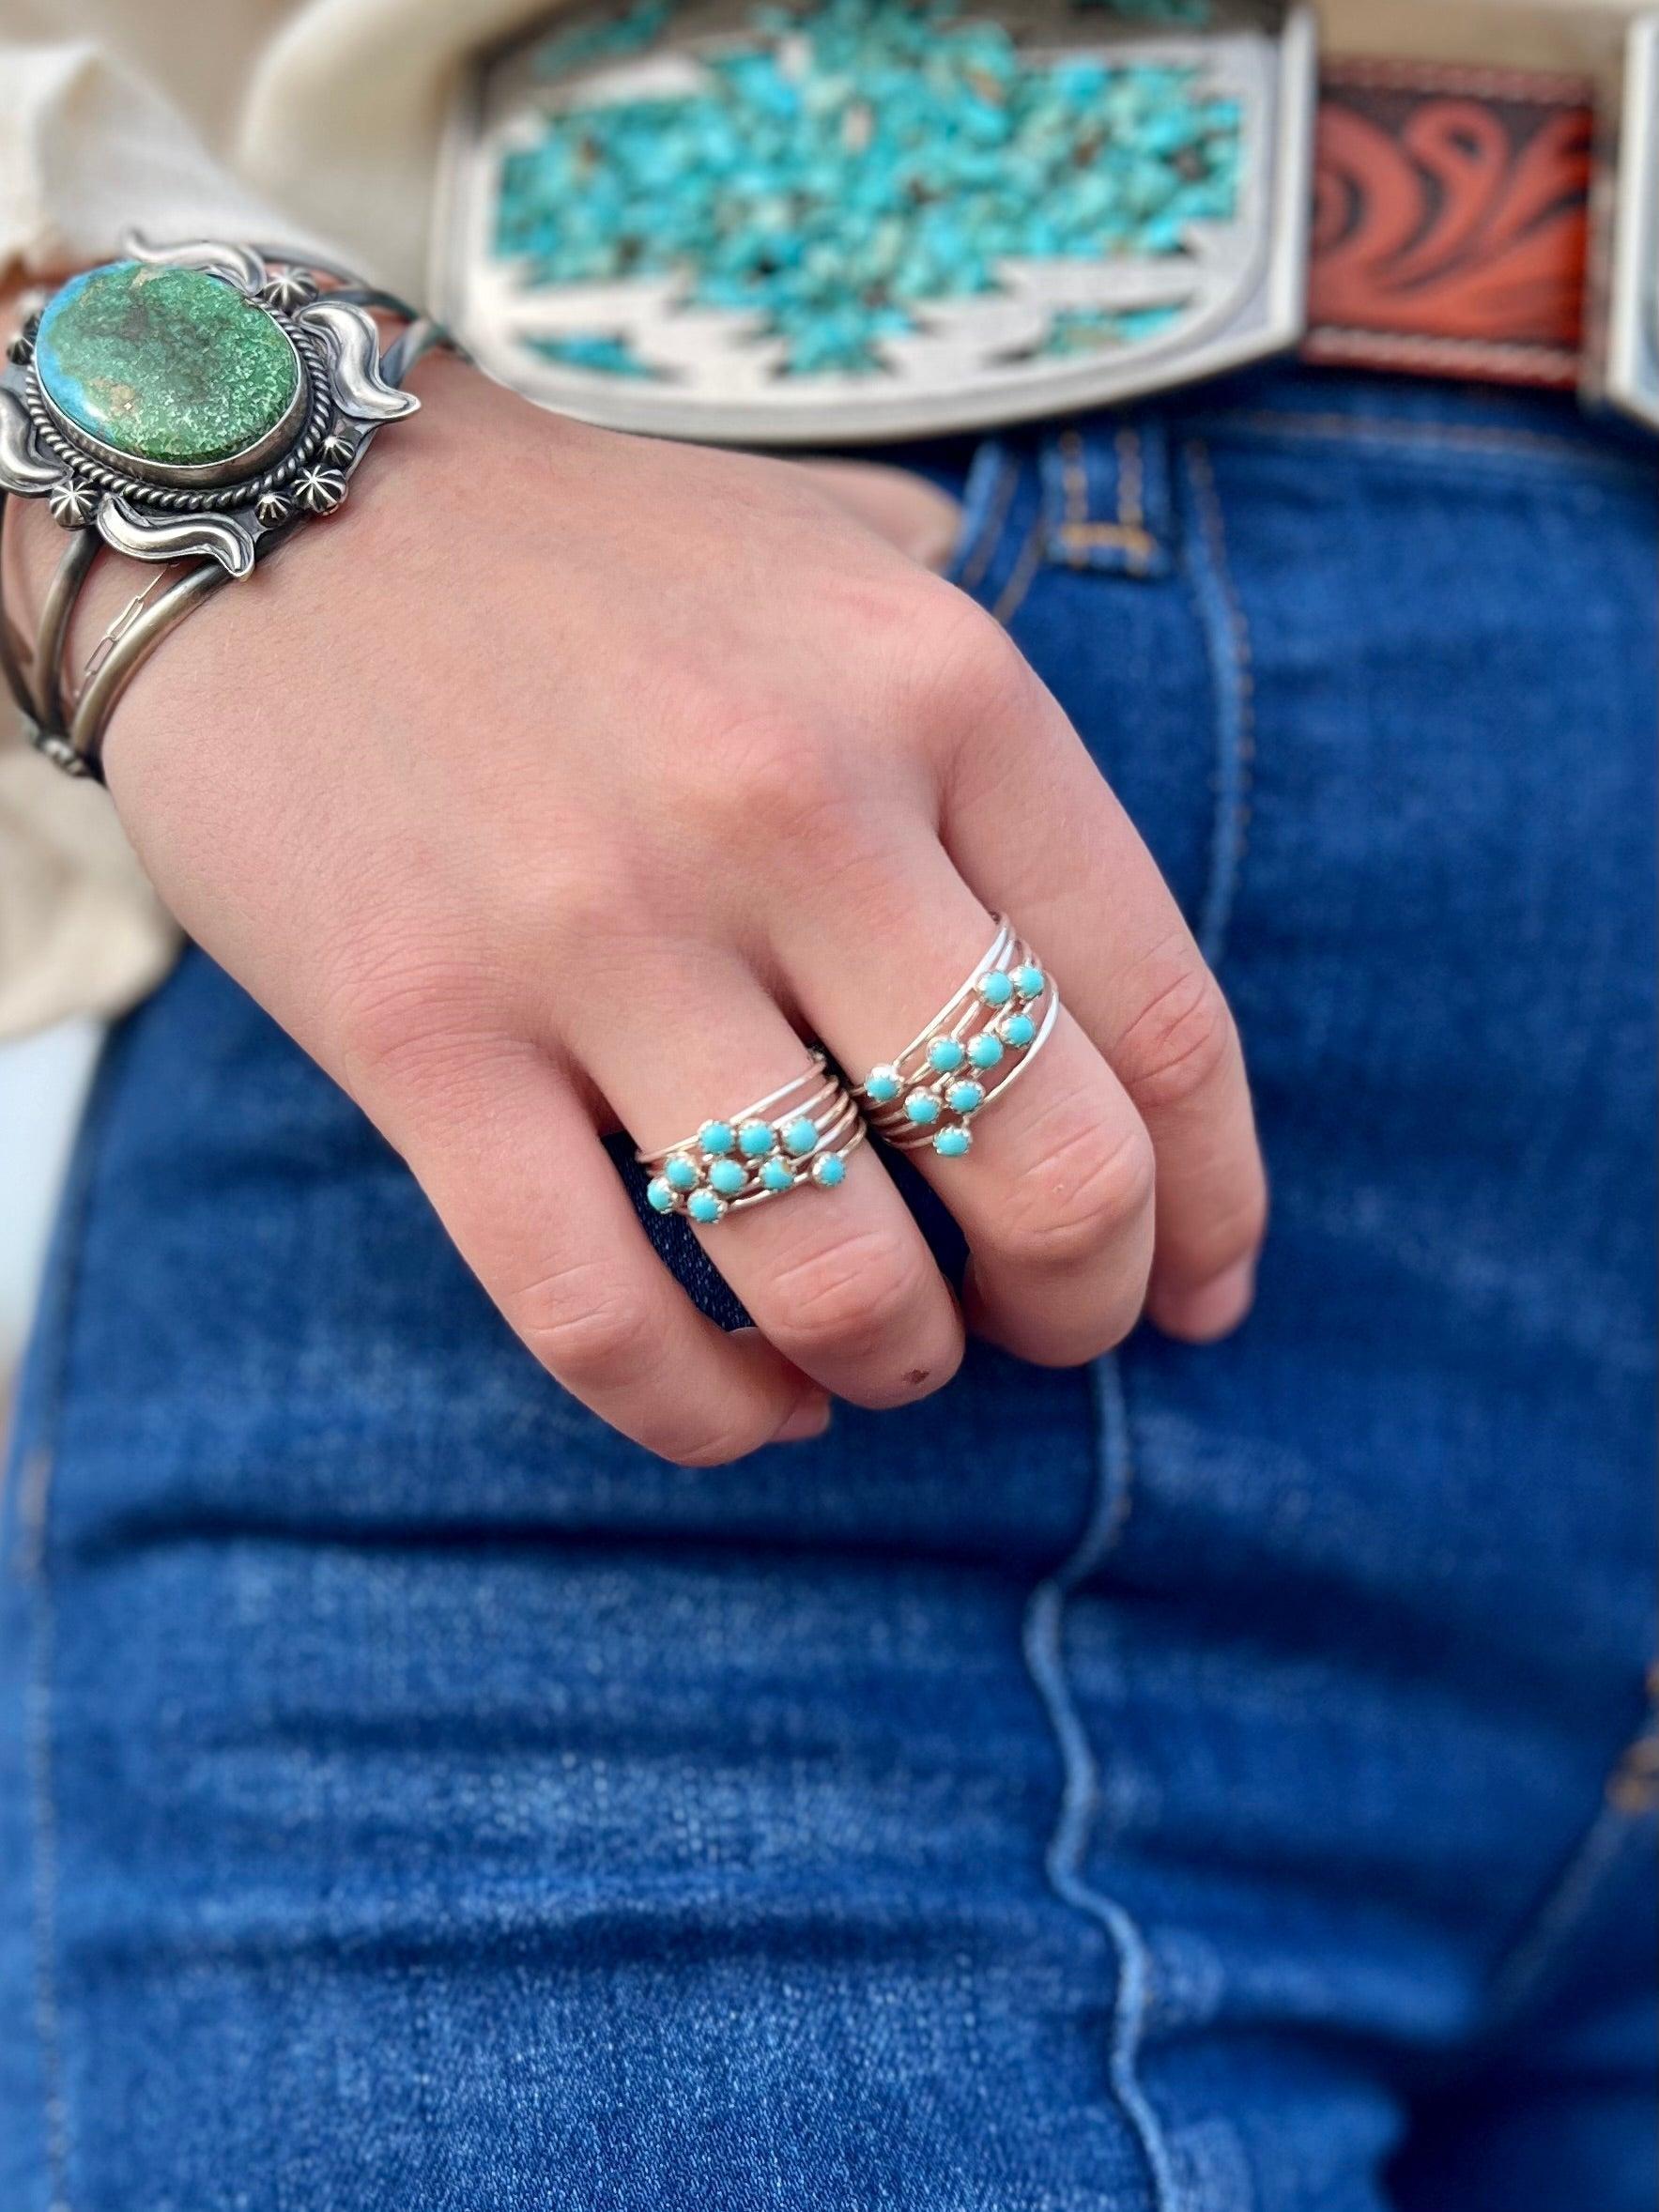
(156, 512)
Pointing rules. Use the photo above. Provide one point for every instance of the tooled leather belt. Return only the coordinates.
(1451, 227)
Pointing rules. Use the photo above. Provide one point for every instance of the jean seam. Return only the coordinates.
(1231, 659)
(1044, 1642)
(1012, 597)
(1532, 1955)
(987, 500)
(38, 1464)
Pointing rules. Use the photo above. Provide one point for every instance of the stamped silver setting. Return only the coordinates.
(156, 511)
(199, 526)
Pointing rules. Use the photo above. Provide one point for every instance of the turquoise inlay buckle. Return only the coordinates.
(776, 220)
(798, 1137)
(966, 1057)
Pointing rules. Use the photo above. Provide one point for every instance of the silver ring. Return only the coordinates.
(969, 1055)
(798, 1136)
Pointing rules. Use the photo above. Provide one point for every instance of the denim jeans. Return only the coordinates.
(1219, 1781)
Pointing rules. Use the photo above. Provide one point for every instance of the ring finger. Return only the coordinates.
(840, 1280)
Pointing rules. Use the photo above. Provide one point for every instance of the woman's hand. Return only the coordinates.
(567, 780)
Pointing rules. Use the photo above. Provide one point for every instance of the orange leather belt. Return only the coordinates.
(1451, 222)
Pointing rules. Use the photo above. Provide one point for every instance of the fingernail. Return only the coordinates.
(1214, 1310)
(810, 1418)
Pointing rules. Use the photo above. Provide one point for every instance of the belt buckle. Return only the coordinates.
(549, 140)
(1623, 359)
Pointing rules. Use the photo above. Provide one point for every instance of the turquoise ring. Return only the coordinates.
(959, 1063)
(798, 1137)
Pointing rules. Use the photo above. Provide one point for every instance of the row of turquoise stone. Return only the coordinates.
(954, 1064)
(741, 1159)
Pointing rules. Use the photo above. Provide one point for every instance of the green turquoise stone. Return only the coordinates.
(167, 365)
(952, 1143)
(728, 1176)
(778, 1176)
(661, 1194)
(800, 1135)
(997, 988)
(1018, 1030)
(716, 1137)
(922, 1108)
(754, 1140)
(986, 1049)
(965, 1097)
(829, 1171)
(681, 1172)
(945, 1054)
(1029, 981)
(703, 1205)
(882, 1084)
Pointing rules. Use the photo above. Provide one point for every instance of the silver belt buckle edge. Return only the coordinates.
(1622, 366)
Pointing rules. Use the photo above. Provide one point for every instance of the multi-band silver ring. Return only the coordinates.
(973, 1052)
(798, 1136)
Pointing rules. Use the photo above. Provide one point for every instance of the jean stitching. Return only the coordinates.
(1571, 1896)
(984, 514)
(1131, 499)
(1232, 661)
(1024, 571)
(1078, 513)
(1074, 1829)
(1079, 530)
(37, 1469)
(1383, 430)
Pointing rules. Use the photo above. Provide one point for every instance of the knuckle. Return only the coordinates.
(584, 1327)
(1180, 1042)
(406, 1015)
(1088, 1194)
(772, 783)
(577, 896)
(972, 672)
(849, 1297)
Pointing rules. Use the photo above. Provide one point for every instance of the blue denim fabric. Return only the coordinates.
(1212, 1783)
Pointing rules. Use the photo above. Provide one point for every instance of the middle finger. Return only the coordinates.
(1056, 1195)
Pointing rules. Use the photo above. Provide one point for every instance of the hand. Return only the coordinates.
(566, 780)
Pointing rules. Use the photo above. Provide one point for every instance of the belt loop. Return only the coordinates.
(1107, 485)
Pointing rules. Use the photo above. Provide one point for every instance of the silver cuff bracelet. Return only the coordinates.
(192, 405)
